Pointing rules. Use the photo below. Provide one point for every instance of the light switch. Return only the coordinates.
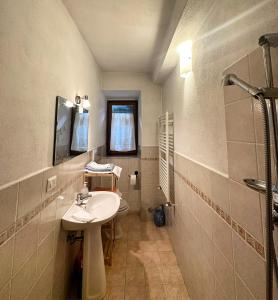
(51, 183)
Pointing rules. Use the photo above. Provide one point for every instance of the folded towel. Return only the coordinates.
(117, 171)
(93, 166)
(83, 216)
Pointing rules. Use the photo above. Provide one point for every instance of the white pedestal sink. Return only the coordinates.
(103, 206)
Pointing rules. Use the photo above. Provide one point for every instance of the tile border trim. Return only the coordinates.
(149, 158)
(241, 232)
(24, 220)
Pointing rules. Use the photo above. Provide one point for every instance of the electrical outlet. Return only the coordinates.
(51, 183)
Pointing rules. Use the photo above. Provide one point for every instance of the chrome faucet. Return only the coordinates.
(80, 198)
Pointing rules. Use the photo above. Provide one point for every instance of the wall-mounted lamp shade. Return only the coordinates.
(185, 52)
(86, 103)
(69, 103)
(82, 102)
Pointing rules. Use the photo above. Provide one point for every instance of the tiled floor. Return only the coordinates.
(144, 265)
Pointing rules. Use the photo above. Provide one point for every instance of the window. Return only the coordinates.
(122, 127)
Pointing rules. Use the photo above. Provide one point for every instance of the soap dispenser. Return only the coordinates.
(85, 190)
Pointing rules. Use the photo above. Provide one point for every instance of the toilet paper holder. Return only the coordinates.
(135, 173)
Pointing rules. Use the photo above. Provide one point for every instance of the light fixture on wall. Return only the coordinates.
(81, 102)
(69, 103)
(185, 53)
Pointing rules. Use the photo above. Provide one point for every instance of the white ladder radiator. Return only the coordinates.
(166, 154)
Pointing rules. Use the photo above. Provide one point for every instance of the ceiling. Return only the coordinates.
(124, 35)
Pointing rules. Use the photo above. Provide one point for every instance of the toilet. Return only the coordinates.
(123, 210)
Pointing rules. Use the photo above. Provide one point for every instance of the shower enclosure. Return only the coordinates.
(267, 97)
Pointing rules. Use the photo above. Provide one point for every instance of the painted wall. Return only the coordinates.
(42, 55)
(150, 99)
(222, 32)
(213, 211)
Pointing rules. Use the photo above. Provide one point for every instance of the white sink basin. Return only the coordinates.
(102, 206)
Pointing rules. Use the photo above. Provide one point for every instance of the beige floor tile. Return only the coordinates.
(171, 275)
(115, 293)
(176, 292)
(150, 259)
(156, 292)
(133, 245)
(164, 245)
(144, 265)
(133, 258)
(116, 276)
(135, 292)
(147, 246)
(120, 245)
(119, 258)
(168, 258)
(153, 276)
(135, 275)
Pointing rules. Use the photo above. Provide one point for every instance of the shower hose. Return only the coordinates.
(271, 260)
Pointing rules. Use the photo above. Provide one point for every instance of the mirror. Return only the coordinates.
(70, 131)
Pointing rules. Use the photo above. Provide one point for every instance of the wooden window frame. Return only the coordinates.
(110, 103)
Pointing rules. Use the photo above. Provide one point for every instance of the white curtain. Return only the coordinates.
(122, 132)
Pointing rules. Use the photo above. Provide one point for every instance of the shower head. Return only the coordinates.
(270, 39)
(232, 79)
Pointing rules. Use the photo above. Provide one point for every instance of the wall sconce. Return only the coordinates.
(185, 52)
(81, 102)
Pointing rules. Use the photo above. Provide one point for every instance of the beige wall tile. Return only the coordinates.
(220, 190)
(8, 201)
(42, 289)
(242, 161)
(258, 121)
(204, 215)
(47, 220)
(26, 242)
(5, 292)
(45, 252)
(134, 164)
(219, 294)
(6, 251)
(239, 121)
(241, 69)
(222, 237)
(261, 163)
(30, 194)
(256, 67)
(151, 151)
(250, 267)
(225, 274)
(24, 279)
(242, 199)
(242, 290)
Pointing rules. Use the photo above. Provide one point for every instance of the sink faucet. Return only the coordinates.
(80, 198)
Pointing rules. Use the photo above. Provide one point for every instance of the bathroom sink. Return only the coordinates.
(102, 206)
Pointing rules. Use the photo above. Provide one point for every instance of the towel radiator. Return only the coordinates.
(166, 155)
